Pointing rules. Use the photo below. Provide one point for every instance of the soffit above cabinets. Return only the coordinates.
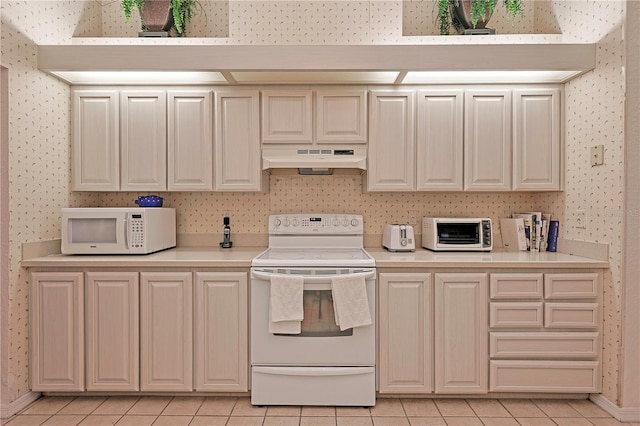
(317, 64)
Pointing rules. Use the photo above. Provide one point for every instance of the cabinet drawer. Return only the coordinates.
(570, 315)
(515, 314)
(571, 286)
(544, 345)
(516, 286)
(544, 376)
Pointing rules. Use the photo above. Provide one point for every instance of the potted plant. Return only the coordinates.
(472, 14)
(161, 15)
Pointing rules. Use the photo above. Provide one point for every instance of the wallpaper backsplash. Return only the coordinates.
(340, 193)
(40, 116)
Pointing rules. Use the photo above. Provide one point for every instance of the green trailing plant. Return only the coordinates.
(481, 10)
(182, 11)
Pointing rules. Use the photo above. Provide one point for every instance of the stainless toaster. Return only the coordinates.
(398, 237)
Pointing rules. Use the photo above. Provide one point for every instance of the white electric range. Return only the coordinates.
(321, 365)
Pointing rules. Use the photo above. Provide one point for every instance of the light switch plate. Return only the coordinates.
(597, 155)
(581, 219)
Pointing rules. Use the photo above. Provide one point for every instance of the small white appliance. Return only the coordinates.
(398, 237)
(117, 230)
(457, 234)
(321, 364)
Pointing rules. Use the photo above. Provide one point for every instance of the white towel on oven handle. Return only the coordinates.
(285, 304)
(350, 301)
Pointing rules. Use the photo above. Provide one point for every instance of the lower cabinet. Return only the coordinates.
(112, 330)
(495, 331)
(545, 332)
(405, 355)
(139, 331)
(166, 331)
(56, 360)
(433, 333)
(461, 348)
(221, 332)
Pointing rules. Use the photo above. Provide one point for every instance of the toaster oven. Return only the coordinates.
(457, 234)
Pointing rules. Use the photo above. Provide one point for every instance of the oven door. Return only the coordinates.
(321, 342)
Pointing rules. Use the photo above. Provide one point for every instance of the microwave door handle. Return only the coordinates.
(127, 230)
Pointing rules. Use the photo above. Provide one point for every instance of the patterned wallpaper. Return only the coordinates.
(39, 130)
(594, 116)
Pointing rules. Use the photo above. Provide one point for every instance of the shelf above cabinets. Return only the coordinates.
(459, 61)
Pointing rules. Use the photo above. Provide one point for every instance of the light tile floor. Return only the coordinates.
(205, 411)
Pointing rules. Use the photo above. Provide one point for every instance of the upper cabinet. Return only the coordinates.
(488, 138)
(495, 138)
(95, 161)
(237, 141)
(537, 117)
(189, 130)
(287, 116)
(341, 116)
(291, 117)
(487, 135)
(142, 140)
(439, 140)
(391, 156)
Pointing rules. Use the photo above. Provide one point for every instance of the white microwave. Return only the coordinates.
(456, 234)
(117, 230)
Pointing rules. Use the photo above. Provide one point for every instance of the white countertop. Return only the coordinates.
(187, 257)
(240, 257)
(422, 258)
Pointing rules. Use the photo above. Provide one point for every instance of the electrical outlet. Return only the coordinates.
(581, 219)
(597, 155)
(413, 217)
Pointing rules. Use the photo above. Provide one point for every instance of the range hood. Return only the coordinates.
(469, 61)
(314, 160)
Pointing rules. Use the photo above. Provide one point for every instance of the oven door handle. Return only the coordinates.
(313, 279)
(312, 371)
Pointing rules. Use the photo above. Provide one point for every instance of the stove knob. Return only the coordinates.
(345, 222)
(287, 222)
(277, 222)
(354, 222)
(295, 222)
(336, 222)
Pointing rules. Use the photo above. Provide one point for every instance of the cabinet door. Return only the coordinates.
(143, 139)
(487, 135)
(95, 149)
(461, 333)
(439, 140)
(190, 141)
(57, 331)
(536, 136)
(405, 348)
(166, 331)
(341, 116)
(237, 141)
(391, 141)
(221, 334)
(112, 351)
(287, 116)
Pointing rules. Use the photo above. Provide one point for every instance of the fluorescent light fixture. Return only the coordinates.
(317, 77)
(141, 77)
(477, 77)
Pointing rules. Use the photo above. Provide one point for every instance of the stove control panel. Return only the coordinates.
(321, 223)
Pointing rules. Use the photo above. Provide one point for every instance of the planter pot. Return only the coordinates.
(462, 11)
(156, 15)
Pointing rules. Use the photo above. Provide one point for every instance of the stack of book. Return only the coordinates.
(529, 231)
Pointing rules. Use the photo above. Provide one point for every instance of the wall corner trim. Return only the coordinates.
(623, 414)
(8, 410)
